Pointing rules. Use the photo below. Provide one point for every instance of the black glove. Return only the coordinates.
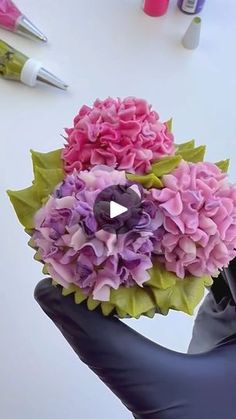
(216, 319)
(151, 381)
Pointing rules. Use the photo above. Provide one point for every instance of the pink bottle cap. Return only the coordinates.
(155, 7)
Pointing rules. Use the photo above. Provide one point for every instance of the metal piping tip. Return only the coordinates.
(26, 27)
(191, 38)
(49, 78)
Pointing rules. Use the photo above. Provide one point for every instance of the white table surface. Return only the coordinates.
(101, 48)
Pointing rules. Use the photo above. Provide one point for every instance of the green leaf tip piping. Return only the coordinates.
(26, 203)
(48, 172)
(169, 124)
(46, 180)
(164, 291)
(223, 165)
(193, 155)
(51, 160)
(166, 165)
(147, 181)
(189, 145)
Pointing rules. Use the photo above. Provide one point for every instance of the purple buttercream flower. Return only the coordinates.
(84, 273)
(89, 224)
(69, 186)
(67, 235)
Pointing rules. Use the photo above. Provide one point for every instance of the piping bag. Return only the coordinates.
(16, 66)
(12, 19)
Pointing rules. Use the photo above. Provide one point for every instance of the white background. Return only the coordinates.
(101, 48)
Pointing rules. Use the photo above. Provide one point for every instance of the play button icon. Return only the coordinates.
(118, 209)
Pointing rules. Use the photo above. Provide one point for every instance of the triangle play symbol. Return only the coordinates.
(116, 209)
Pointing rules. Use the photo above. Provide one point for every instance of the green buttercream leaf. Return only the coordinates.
(51, 160)
(162, 299)
(134, 300)
(184, 296)
(26, 203)
(92, 304)
(166, 165)
(189, 145)
(194, 155)
(223, 165)
(188, 294)
(151, 313)
(45, 269)
(107, 308)
(31, 243)
(122, 314)
(169, 124)
(160, 278)
(164, 291)
(79, 296)
(69, 290)
(38, 256)
(46, 180)
(148, 181)
(208, 281)
(28, 231)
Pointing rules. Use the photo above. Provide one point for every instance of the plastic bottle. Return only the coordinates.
(191, 7)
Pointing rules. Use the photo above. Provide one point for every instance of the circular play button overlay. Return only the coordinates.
(117, 209)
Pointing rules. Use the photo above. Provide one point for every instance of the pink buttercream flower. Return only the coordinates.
(76, 251)
(199, 208)
(123, 134)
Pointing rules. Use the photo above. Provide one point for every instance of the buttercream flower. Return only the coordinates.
(179, 224)
(123, 134)
(199, 229)
(76, 251)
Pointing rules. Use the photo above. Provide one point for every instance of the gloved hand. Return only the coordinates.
(151, 381)
(216, 319)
